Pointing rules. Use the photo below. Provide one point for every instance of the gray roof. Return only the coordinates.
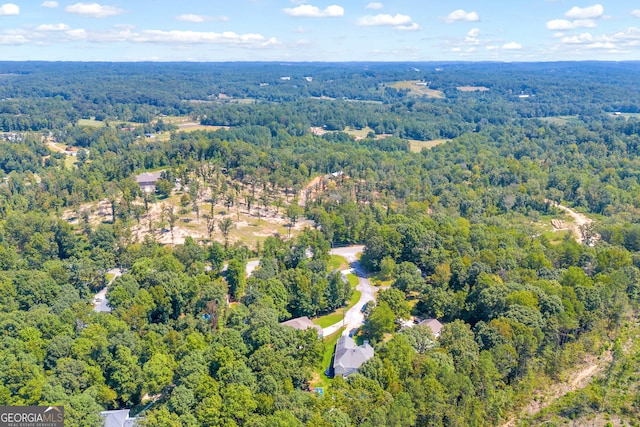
(349, 357)
(148, 177)
(102, 306)
(302, 323)
(118, 418)
(434, 324)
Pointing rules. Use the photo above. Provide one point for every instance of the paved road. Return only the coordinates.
(252, 265)
(353, 318)
(99, 301)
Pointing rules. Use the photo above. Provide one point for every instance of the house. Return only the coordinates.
(302, 323)
(147, 181)
(118, 418)
(349, 357)
(101, 305)
(434, 324)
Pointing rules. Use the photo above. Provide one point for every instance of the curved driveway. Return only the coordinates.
(353, 318)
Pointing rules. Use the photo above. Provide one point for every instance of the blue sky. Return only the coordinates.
(318, 30)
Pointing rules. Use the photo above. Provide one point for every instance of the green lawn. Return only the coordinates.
(353, 280)
(329, 319)
(336, 262)
(336, 316)
(319, 377)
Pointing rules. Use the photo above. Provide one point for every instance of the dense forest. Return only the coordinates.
(460, 231)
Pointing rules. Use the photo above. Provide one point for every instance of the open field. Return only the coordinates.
(358, 133)
(99, 123)
(192, 126)
(627, 115)
(416, 87)
(560, 120)
(417, 146)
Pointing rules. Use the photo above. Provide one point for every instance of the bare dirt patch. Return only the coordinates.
(579, 221)
(577, 380)
(249, 226)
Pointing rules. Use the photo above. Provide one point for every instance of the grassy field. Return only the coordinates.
(629, 115)
(91, 123)
(69, 161)
(100, 124)
(416, 146)
(358, 133)
(560, 120)
(189, 127)
(417, 90)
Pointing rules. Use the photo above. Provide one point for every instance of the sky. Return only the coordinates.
(318, 30)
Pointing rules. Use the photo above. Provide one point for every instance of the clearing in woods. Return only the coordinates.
(416, 146)
(249, 227)
(417, 87)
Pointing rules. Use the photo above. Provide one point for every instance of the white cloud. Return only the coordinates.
(195, 37)
(93, 10)
(490, 48)
(563, 24)
(512, 46)
(461, 15)
(53, 27)
(13, 39)
(384, 20)
(50, 4)
(375, 5)
(579, 39)
(60, 33)
(590, 12)
(188, 17)
(623, 41)
(411, 27)
(584, 23)
(636, 13)
(602, 45)
(559, 25)
(9, 9)
(309, 11)
(472, 37)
